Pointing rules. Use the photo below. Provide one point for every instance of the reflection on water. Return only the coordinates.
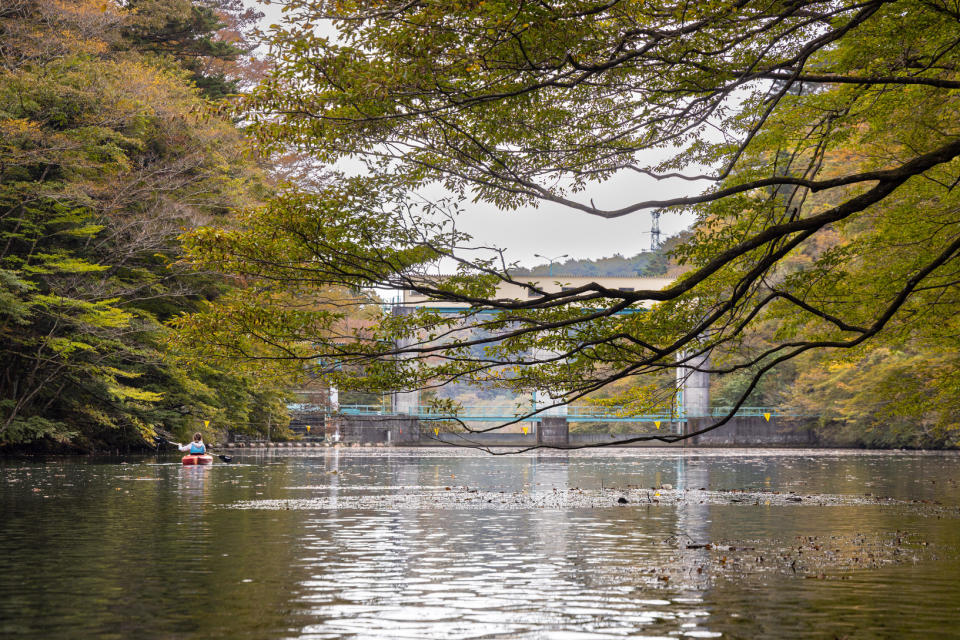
(549, 574)
(153, 549)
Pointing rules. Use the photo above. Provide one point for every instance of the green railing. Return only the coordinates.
(573, 413)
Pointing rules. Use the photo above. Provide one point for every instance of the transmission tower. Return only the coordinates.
(655, 231)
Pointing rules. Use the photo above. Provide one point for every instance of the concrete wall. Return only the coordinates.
(397, 430)
(300, 420)
(587, 439)
(402, 430)
(554, 432)
(492, 439)
(754, 431)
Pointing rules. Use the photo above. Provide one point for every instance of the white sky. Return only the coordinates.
(553, 230)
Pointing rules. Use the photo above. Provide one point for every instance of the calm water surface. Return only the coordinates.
(464, 545)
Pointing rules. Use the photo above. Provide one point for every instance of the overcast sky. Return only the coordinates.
(553, 230)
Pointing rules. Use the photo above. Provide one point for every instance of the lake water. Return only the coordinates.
(441, 543)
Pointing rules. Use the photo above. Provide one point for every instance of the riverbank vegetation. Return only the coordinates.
(112, 143)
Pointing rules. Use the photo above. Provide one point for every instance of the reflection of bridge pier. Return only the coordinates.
(549, 472)
(692, 523)
(331, 467)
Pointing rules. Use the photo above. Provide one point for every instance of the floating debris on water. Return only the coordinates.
(450, 497)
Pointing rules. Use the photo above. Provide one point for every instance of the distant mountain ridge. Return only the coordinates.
(646, 263)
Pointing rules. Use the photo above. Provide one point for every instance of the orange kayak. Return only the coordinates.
(202, 459)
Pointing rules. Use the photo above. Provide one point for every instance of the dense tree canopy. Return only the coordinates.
(190, 32)
(107, 153)
(819, 139)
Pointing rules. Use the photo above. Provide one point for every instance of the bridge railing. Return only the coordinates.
(774, 412)
(573, 414)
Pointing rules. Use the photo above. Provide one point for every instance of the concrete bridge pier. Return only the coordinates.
(554, 431)
(406, 402)
(542, 401)
(695, 387)
(553, 428)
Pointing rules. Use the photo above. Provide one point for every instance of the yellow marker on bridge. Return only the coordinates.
(767, 417)
(525, 430)
(436, 431)
(657, 423)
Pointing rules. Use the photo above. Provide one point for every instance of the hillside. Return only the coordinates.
(645, 263)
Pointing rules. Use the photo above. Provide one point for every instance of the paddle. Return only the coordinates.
(159, 439)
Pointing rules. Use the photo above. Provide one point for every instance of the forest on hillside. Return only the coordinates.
(645, 264)
(113, 141)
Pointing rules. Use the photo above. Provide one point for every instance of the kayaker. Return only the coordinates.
(196, 448)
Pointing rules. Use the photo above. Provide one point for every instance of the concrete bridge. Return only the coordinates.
(405, 420)
(693, 396)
